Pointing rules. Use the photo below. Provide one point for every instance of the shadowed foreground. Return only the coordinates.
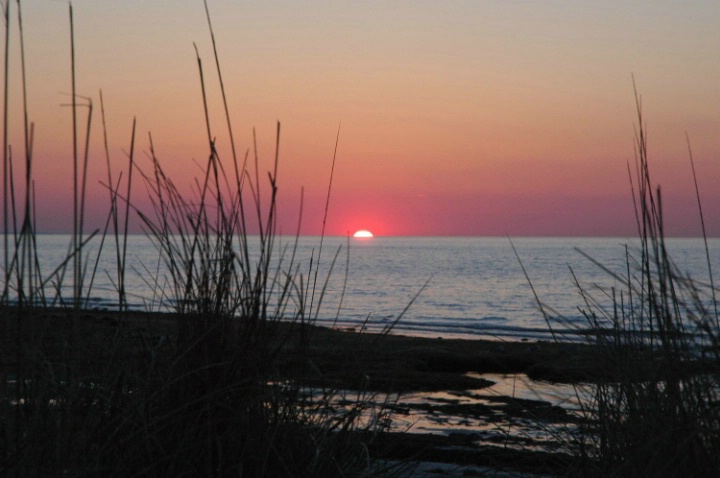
(341, 359)
(108, 358)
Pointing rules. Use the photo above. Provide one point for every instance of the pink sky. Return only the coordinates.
(462, 118)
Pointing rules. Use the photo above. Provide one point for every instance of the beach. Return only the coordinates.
(461, 286)
(437, 394)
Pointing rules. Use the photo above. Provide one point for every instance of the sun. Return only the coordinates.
(363, 234)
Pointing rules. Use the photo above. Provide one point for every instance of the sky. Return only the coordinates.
(468, 118)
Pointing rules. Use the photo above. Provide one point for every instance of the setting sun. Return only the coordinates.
(363, 234)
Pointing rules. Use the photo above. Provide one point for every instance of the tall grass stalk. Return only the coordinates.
(6, 178)
(113, 219)
(126, 227)
(217, 389)
(657, 412)
(716, 313)
(21, 267)
(26, 233)
(79, 173)
(76, 234)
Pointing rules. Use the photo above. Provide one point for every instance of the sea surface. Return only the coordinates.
(469, 287)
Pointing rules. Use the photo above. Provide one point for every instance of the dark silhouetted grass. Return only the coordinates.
(657, 412)
(199, 392)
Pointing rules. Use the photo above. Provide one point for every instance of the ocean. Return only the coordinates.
(452, 287)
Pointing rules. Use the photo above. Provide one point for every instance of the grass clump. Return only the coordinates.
(657, 413)
(217, 388)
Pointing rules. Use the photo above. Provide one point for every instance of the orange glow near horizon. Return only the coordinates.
(445, 128)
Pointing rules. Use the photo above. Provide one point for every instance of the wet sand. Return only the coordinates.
(403, 364)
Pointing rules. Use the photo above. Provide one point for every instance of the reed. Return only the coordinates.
(656, 412)
(6, 178)
(219, 387)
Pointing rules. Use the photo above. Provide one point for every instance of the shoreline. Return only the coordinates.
(443, 402)
(397, 363)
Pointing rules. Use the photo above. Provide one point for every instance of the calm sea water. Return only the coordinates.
(475, 286)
